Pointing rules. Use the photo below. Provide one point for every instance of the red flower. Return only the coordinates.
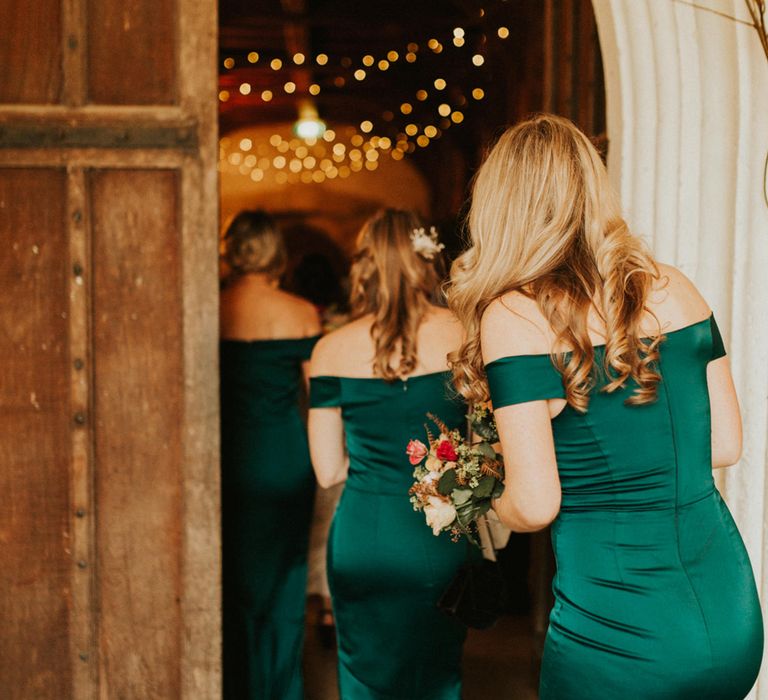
(446, 452)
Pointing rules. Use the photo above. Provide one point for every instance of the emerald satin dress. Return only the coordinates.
(386, 569)
(267, 490)
(654, 592)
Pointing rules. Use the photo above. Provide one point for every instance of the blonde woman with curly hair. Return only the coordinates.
(372, 383)
(614, 402)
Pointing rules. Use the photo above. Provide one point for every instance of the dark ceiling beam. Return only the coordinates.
(297, 40)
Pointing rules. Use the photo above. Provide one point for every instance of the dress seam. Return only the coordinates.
(596, 441)
(677, 522)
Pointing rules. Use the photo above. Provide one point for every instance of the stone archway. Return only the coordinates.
(687, 95)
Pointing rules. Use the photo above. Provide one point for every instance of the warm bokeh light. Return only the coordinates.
(275, 64)
(366, 127)
(229, 63)
(406, 108)
(359, 74)
(321, 59)
(478, 60)
(368, 60)
(503, 32)
(440, 84)
(314, 89)
(245, 88)
(253, 57)
(223, 95)
(266, 95)
(478, 93)
(444, 110)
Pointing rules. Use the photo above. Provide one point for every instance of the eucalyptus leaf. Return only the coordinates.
(484, 449)
(461, 496)
(447, 482)
(485, 488)
(498, 489)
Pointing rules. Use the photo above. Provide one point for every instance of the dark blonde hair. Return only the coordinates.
(395, 284)
(544, 221)
(254, 243)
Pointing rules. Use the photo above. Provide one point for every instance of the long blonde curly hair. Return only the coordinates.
(544, 222)
(395, 284)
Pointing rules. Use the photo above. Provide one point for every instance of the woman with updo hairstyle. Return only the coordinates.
(372, 383)
(267, 487)
(614, 402)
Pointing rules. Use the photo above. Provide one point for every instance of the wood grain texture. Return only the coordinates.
(30, 51)
(138, 387)
(35, 437)
(132, 51)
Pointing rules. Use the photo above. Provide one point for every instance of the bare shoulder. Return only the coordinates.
(332, 352)
(675, 299)
(514, 325)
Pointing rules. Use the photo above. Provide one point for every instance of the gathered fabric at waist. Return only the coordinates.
(619, 508)
(369, 486)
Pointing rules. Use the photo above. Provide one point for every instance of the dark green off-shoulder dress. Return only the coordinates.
(267, 489)
(655, 597)
(386, 569)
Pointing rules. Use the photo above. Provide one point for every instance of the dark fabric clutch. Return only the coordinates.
(477, 595)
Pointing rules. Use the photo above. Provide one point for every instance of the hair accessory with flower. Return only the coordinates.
(426, 244)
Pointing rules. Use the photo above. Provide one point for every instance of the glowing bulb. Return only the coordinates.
(279, 161)
(393, 56)
(245, 89)
(253, 57)
(478, 94)
(423, 141)
(440, 84)
(478, 60)
(410, 57)
(366, 127)
(458, 32)
(257, 175)
(224, 95)
(406, 108)
(383, 65)
(422, 95)
(433, 44)
(229, 63)
(430, 131)
(275, 140)
(444, 110)
(368, 60)
(276, 64)
(309, 128)
(503, 32)
(266, 95)
(321, 59)
(356, 140)
(246, 144)
(314, 89)
(397, 154)
(457, 117)
(411, 129)
(329, 135)
(290, 87)
(458, 41)
(359, 74)
(299, 58)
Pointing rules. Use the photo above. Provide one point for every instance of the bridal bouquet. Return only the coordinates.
(455, 480)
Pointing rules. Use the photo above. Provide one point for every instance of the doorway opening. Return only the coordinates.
(332, 109)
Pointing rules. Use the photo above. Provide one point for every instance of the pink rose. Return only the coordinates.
(446, 452)
(416, 451)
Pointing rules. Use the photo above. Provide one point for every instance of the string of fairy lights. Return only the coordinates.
(326, 153)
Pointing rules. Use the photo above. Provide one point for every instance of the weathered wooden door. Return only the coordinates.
(108, 327)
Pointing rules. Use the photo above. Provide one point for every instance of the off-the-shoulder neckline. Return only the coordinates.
(401, 380)
(687, 327)
(265, 341)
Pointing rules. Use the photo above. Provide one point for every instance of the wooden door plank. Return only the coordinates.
(30, 52)
(35, 437)
(138, 404)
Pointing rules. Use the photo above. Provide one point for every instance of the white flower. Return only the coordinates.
(439, 513)
(431, 477)
(426, 244)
